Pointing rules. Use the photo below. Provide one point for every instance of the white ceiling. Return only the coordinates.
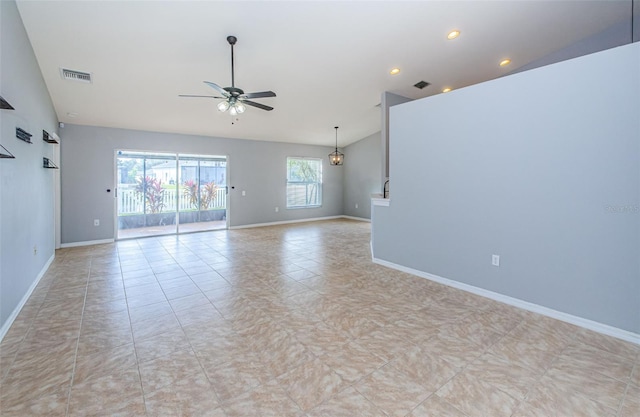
(327, 61)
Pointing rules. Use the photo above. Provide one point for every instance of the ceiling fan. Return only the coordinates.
(234, 98)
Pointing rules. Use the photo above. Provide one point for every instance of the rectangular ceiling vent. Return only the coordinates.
(421, 84)
(71, 75)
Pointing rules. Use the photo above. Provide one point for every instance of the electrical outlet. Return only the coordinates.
(277, 209)
(356, 205)
(495, 260)
(96, 222)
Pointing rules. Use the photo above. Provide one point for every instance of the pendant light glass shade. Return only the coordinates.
(336, 158)
(223, 106)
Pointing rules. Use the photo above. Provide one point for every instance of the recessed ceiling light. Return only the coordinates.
(453, 34)
(446, 90)
(505, 62)
(395, 71)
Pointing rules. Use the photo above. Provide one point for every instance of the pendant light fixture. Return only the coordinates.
(336, 158)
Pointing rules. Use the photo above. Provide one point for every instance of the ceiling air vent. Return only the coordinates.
(83, 77)
(421, 84)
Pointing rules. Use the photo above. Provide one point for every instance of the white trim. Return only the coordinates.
(7, 324)
(377, 201)
(516, 302)
(360, 219)
(87, 243)
(314, 219)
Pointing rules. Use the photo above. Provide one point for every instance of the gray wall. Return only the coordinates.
(636, 20)
(259, 168)
(26, 188)
(387, 101)
(362, 173)
(616, 35)
(541, 168)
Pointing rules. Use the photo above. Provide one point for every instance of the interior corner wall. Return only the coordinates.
(362, 176)
(27, 231)
(256, 167)
(541, 168)
(386, 102)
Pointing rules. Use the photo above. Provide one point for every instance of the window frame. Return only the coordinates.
(318, 183)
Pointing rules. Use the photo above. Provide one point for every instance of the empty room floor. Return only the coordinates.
(291, 321)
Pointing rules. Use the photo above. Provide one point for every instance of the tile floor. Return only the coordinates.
(291, 321)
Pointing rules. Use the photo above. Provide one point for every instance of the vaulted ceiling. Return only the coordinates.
(327, 61)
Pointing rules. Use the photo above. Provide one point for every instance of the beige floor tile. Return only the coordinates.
(458, 352)
(51, 405)
(236, 375)
(321, 339)
(392, 390)
(476, 397)
(144, 329)
(635, 376)
(618, 347)
(161, 345)
(593, 359)
(352, 362)
(113, 395)
(574, 377)
(347, 403)
(311, 383)
(631, 404)
(193, 396)
(105, 363)
(269, 400)
(169, 370)
(149, 312)
(425, 366)
(435, 406)
(220, 324)
(550, 399)
(508, 377)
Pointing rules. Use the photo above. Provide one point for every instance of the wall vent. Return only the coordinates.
(71, 75)
(421, 84)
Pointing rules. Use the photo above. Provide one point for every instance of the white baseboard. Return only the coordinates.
(313, 219)
(86, 243)
(360, 219)
(7, 324)
(516, 302)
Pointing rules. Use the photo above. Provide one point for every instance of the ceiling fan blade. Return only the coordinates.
(258, 105)
(260, 94)
(217, 88)
(191, 95)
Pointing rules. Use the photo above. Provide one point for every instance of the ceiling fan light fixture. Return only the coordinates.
(240, 108)
(336, 158)
(223, 106)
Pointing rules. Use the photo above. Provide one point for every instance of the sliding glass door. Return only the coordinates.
(159, 194)
(203, 182)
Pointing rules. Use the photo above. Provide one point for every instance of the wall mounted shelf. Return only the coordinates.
(46, 163)
(49, 138)
(5, 154)
(4, 104)
(23, 135)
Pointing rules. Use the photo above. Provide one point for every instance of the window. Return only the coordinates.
(304, 182)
